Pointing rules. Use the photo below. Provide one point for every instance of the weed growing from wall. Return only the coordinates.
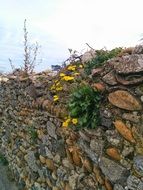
(84, 105)
(101, 57)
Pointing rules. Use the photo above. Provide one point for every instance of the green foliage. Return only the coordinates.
(3, 160)
(33, 134)
(101, 57)
(84, 105)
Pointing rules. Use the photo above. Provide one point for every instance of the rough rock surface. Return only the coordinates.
(5, 183)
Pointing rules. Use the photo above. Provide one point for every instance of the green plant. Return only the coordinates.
(84, 105)
(33, 134)
(101, 57)
(3, 160)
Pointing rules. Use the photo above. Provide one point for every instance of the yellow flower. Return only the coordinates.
(71, 67)
(58, 83)
(74, 121)
(80, 66)
(68, 120)
(62, 74)
(53, 87)
(68, 78)
(66, 123)
(76, 74)
(59, 88)
(56, 98)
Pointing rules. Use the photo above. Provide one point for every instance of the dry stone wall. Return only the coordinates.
(44, 156)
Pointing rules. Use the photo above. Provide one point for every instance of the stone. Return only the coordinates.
(96, 71)
(98, 174)
(118, 187)
(51, 128)
(87, 165)
(88, 56)
(140, 186)
(73, 180)
(106, 122)
(131, 117)
(50, 164)
(76, 156)
(97, 146)
(124, 131)
(55, 188)
(48, 153)
(99, 86)
(113, 138)
(110, 78)
(127, 150)
(31, 161)
(113, 171)
(57, 158)
(133, 182)
(129, 64)
(138, 165)
(66, 163)
(84, 136)
(85, 148)
(42, 159)
(108, 184)
(141, 98)
(126, 163)
(60, 148)
(138, 49)
(124, 100)
(45, 140)
(31, 90)
(113, 153)
(61, 172)
(37, 186)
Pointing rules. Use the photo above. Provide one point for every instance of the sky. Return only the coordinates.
(61, 24)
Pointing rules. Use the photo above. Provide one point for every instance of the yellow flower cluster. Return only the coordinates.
(76, 74)
(74, 121)
(56, 98)
(67, 78)
(62, 74)
(57, 86)
(69, 121)
(71, 68)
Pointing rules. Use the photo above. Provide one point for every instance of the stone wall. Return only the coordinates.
(44, 156)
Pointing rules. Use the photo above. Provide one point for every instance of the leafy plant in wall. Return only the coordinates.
(33, 134)
(101, 57)
(84, 105)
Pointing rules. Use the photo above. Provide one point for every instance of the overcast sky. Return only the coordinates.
(61, 24)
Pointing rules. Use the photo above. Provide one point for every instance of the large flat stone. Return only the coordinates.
(113, 171)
